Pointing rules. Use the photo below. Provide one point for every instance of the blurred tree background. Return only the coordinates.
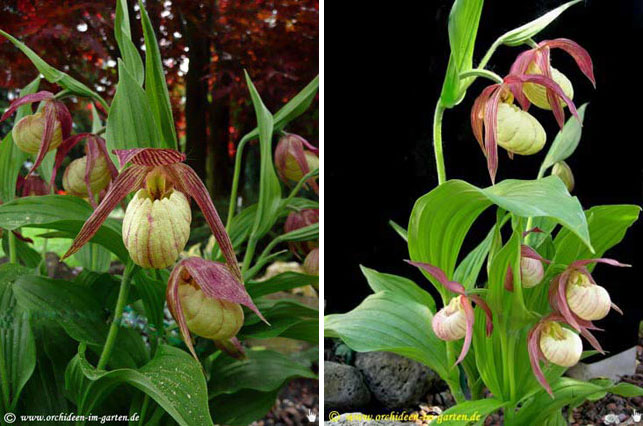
(205, 46)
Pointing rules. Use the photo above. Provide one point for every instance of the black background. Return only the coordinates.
(384, 71)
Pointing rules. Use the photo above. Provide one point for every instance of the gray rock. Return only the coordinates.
(614, 367)
(359, 419)
(395, 381)
(344, 387)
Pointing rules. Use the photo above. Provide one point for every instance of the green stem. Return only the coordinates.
(479, 72)
(487, 56)
(5, 379)
(235, 181)
(297, 187)
(250, 251)
(437, 142)
(118, 313)
(13, 251)
(146, 403)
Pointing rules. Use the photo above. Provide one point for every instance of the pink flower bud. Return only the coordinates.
(531, 271)
(301, 219)
(293, 161)
(450, 322)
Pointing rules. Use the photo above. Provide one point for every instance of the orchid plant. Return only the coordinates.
(530, 278)
(180, 324)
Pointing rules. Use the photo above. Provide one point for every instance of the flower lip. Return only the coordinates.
(215, 280)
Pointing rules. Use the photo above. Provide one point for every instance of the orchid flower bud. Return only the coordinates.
(564, 173)
(293, 162)
(518, 131)
(560, 345)
(585, 299)
(27, 133)
(537, 94)
(311, 263)
(301, 219)
(450, 322)
(531, 271)
(156, 226)
(74, 176)
(206, 316)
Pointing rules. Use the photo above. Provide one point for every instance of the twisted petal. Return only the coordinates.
(469, 316)
(477, 114)
(580, 55)
(491, 133)
(526, 251)
(149, 156)
(535, 354)
(27, 99)
(482, 304)
(517, 80)
(64, 117)
(189, 183)
(129, 179)
(47, 136)
(439, 275)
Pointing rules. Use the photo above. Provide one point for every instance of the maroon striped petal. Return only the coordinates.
(27, 99)
(102, 147)
(535, 354)
(92, 155)
(561, 302)
(616, 308)
(526, 251)
(440, 276)
(521, 64)
(129, 179)
(64, 117)
(491, 133)
(579, 263)
(149, 156)
(307, 144)
(548, 83)
(47, 136)
(509, 279)
(174, 305)
(217, 281)
(477, 114)
(470, 317)
(482, 304)
(580, 55)
(189, 183)
(63, 150)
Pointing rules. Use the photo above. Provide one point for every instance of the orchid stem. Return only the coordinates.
(123, 292)
(250, 251)
(5, 379)
(235, 182)
(479, 72)
(301, 183)
(13, 252)
(437, 142)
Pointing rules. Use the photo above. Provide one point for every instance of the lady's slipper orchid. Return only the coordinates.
(495, 120)
(301, 219)
(549, 340)
(532, 271)
(205, 298)
(43, 131)
(89, 174)
(157, 174)
(293, 162)
(564, 173)
(577, 297)
(536, 61)
(455, 320)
